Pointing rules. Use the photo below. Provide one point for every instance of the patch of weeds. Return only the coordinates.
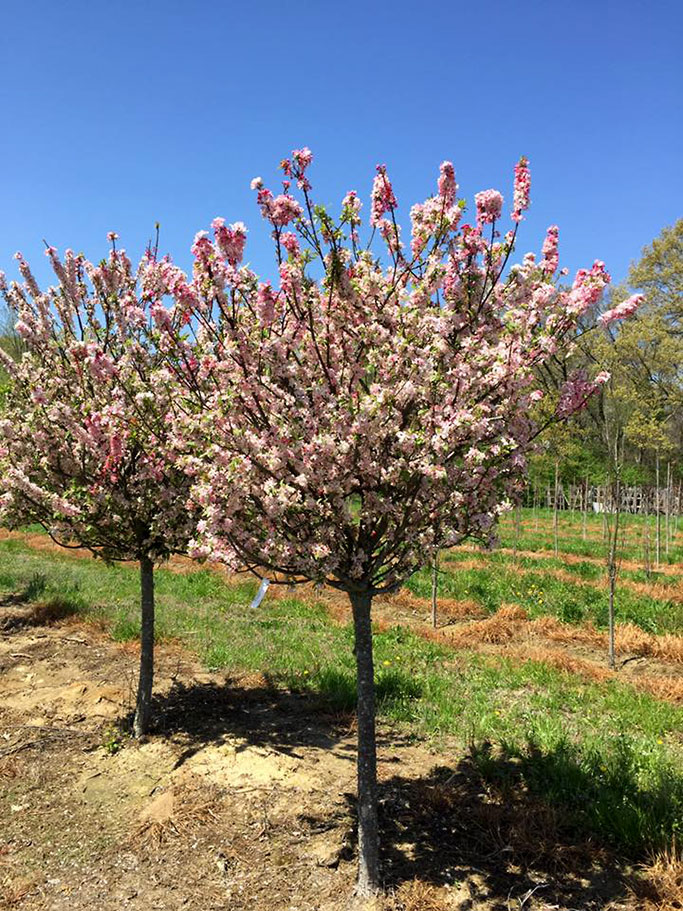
(114, 739)
(36, 586)
(125, 628)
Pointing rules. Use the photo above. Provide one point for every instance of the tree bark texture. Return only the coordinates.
(146, 680)
(368, 831)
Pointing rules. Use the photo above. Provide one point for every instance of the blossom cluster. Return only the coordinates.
(342, 427)
(623, 310)
(578, 389)
(85, 439)
(339, 424)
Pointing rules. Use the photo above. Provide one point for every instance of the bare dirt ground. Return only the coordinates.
(243, 799)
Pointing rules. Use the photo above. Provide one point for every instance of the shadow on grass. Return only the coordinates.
(516, 824)
(33, 589)
(28, 607)
(496, 842)
(515, 827)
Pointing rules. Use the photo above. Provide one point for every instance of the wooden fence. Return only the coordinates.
(600, 499)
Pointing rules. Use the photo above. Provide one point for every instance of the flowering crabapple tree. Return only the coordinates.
(83, 434)
(374, 404)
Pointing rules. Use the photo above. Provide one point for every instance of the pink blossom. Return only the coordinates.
(74, 399)
(588, 287)
(551, 259)
(623, 310)
(303, 157)
(351, 206)
(489, 206)
(576, 392)
(383, 199)
(284, 209)
(522, 189)
(291, 243)
(446, 183)
(231, 240)
(266, 300)
(391, 234)
(201, 245)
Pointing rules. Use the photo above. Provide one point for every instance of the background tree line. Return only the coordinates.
(637, 421)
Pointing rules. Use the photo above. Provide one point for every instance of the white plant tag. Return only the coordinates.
(261, 593)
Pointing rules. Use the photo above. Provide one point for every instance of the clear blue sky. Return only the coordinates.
(119, 114)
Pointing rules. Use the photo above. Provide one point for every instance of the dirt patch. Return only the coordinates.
(243, 798)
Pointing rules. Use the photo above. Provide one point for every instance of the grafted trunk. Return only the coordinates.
(368, 831)
(146, 679)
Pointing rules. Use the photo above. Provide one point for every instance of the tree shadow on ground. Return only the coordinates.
(264, 715)
(28, 608)
(476, 827)
(502, 846)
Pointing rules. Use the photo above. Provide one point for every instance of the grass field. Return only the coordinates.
(605, 752)
(637, 535)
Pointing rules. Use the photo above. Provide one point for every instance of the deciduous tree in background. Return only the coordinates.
(83, 435)
(368, 409)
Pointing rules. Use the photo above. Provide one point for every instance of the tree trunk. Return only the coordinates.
(667, 527)
(584, 517)
(435, 587)
(368, 831)
(646, 537)
(658, 526)
(572, 500)
(612, 572)
(517, 530)
(555, 509)
(146, 680)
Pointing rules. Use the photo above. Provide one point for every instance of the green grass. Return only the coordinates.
(608, 754)
(587, 570)
(537, 534)
(540, 593)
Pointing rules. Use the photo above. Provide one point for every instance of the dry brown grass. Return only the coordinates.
(9, 768)
(672, 569)
(14, 891)
(629, 638)
(563, 662)
(179, 812)
(659, 885)
(553, 629)
(452, 608)
(655, 590)
(511, 623)
(416, 895)
(663, 687)
(503, 626)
